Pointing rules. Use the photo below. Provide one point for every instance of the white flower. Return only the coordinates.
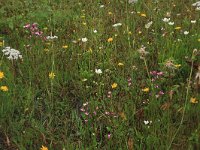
(193, 21)
(98, 71)
(117, 24)
(51, 37)
(11, 53)
(186, 32)
(95, 31)
(171, 23)
(197, 4)
(148, 25)
(166, 19)
(132, 1)
(198, 8)
(101, 6)
(84, 39)
(147, 122)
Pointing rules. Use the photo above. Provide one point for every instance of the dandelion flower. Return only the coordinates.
(120, 64)
(43, 148)
(145, 90)
(177, 28)
(143, 15)
(65, 46)
(193, 100)
(4, 88)
(52, 75)
(110, 39)
(114, 85)
(1, 75)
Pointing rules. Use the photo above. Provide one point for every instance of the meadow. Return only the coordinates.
(99, 74)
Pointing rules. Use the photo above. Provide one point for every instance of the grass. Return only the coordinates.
(144, 95)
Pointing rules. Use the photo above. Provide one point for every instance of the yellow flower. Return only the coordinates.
(110, 39)
(198, 40)
(129, 32)
(43, 148)
(1, 43)
(177, 66)
(51, 75)
(193, 100)
(84, 23)
(145, 90)
(1, 75)
(143, 15)
(4, 88)
(177, 28)
(114, 85)
(65, 46)
(120, 64)
(110, 13)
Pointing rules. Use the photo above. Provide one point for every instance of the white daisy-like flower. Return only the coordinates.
(95, 31)
(186, 32)
(117, 24)
(148, 25)
(51, 37)
(166, 19)
(171, 23)
(12, 54)
(84, 39)
(197, 4)
(98, 71)
(193, 21)
(101, 6)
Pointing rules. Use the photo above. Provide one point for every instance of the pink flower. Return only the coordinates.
(27, 26)
(109, 135)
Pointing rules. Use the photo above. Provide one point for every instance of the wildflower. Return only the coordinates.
(148, 25)
(171, 23)
(198, 40)
(193, 21)
(132, 1)
(114, 85)
(197, 4)
(4, 88)
(51, 75)
(84, 39)
(117, 24)
(177, 65)
(143, 15)
(146, 122)
(120, 64)
(109, 135)
(145, 90)
(65, 46)
(95, 31)
(12, 53)
(142, 52)
(98, 71)
(51, 37)
(2, 43)
(193, 100)
(101, 6)
(110, 13)
(186, 32)
(43, 148)
(166, 19)
(84, 23)
(110, 39)
(1, 75)
(177, 28)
